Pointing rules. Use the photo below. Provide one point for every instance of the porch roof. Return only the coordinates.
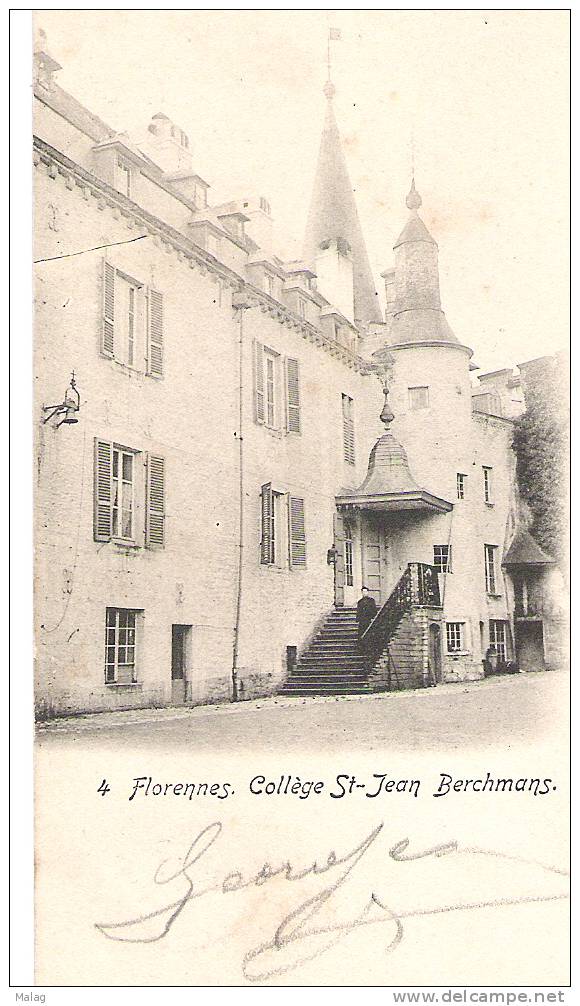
(525, 551)
(418, 499)
(389, 484)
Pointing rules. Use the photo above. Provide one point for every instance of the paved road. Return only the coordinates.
(511, 710)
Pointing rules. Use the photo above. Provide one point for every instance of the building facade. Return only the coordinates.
(216, 480)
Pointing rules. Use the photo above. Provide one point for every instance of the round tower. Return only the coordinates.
(431, 390)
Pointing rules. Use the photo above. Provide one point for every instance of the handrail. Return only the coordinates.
(418, 586)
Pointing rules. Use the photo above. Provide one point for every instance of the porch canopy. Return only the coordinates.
(389, 485)
(525, 551)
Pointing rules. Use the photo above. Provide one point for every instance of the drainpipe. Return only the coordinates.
(240, 303)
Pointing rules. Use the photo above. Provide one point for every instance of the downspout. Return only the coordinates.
(240, 304)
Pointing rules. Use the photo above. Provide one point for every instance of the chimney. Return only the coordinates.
(44, 66)
(168, 146)
(334, 269)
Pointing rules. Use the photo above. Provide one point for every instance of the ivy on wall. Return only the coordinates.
(541, 446)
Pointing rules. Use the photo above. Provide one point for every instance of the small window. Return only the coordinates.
(302, 307)
(455, 637)
(442, 558)
(461, 486)
(487, 484)
(498, 637)
(418, 398)
(490, 569)
(348, 429)
(120, 646)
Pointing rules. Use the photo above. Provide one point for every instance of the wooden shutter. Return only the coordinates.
(348, 429)
(103, 490)
(292, 396)
(155, 502)
(266, 557)
(339, 577)
(155, 334)
(108, 320)
(296, 532)
(259, 407)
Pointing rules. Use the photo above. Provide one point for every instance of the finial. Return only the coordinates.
(329, 90)
(413, 200)
(387, 415)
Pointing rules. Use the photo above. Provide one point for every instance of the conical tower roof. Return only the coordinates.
(333, 214)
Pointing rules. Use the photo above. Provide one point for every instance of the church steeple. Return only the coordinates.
(333, 218)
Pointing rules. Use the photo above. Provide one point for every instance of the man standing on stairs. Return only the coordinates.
(366, 610)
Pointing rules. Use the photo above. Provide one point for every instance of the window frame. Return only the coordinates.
(491, 583)
(443, 563)
(458, 631)
(488, 484)
(461, 485)
(423, 405)
(113, 625)
(270, 356)
(501, 646)
(348, 556)
(117, 492)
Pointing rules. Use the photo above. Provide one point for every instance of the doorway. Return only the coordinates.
(530, 646)
(435, 676)
(373, 560)
(180, 654)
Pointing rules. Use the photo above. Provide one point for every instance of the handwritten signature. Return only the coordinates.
(304, 933)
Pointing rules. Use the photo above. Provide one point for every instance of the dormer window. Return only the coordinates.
(123, 177)
(302, 307)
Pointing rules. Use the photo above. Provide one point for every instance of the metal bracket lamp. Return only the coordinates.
(68, 408)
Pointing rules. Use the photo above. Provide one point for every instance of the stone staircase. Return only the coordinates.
(332, 664)
(392, 654)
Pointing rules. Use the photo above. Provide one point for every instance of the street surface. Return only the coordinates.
(521, 708)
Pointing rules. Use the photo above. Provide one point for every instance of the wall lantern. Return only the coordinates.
(68, 408)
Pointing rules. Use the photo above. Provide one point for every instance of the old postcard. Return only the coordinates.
(300, 478)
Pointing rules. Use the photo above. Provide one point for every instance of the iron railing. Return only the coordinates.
(417, 587)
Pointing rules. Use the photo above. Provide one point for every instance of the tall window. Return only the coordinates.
(132, 322)
(490, 568)
(282, 523)
(461, 486)
(348, 429)
(418, 398)
(120, 642)
(498, 637)
(122, 483)
(270, 361)
(442, 558)
(455, 637)
(348, 556)
(487, 484)
(123, 494)
(271, 373)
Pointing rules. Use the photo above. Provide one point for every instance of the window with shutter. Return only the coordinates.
(296, 532)
(108, 320)
(155, 502)
(292, 396)
(155, 334)
(103, 491)
(267, 544)
(259, 382)
(348, 429)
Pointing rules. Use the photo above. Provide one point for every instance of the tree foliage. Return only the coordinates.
(541, 447)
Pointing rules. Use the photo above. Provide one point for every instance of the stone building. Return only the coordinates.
(225, 471)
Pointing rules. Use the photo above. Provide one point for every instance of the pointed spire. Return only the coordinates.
(413, 200)
(333, 215)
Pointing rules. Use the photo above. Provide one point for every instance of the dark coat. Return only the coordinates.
(366, 610)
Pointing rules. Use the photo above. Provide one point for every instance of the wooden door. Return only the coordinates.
(179, 653)
(373, 572)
